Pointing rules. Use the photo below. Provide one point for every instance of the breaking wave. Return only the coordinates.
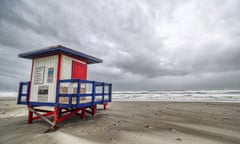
(179, 95)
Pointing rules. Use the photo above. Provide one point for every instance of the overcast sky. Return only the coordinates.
(145, 44)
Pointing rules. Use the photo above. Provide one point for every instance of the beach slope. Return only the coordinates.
(130, 123)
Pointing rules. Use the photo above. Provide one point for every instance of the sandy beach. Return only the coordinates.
(130, 123)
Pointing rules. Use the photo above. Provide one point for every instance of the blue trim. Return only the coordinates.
(41, 104)
(64, 106)
(60, 49)
(75, 95)
(98, 102)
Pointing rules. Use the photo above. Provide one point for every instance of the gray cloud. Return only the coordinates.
(145, 44)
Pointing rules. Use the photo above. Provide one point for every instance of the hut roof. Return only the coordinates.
(59, 49)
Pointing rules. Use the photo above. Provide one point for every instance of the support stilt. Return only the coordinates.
(105, 106)
(30, 116)
(94, 107)
(59, 114)
(83, 116)
(41, 116)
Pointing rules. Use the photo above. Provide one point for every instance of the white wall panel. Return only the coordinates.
(46, 62)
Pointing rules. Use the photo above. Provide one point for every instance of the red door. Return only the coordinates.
(79, 70)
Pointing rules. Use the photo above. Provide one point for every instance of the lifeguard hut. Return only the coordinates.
(59, 81)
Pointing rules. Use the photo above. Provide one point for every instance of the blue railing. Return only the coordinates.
(73, 93)
(78, 93)
(23, 93)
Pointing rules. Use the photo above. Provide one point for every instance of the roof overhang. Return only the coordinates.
(59, 49)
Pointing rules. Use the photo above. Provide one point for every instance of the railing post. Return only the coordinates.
(78, 92)
(70, 100)
(103, 92)
(93, 92)
(19, 93)
(110, 92)
(28, 92)
(57, 93)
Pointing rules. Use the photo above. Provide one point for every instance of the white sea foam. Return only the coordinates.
(8, 94)
(179, 95)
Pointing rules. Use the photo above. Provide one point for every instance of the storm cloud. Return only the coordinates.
(145, 44)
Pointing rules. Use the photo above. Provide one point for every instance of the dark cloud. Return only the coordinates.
(145, 44)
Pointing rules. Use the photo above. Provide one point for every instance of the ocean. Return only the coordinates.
(179, 95)
(169, 95)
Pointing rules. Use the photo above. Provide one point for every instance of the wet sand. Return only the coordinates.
(130, 123)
